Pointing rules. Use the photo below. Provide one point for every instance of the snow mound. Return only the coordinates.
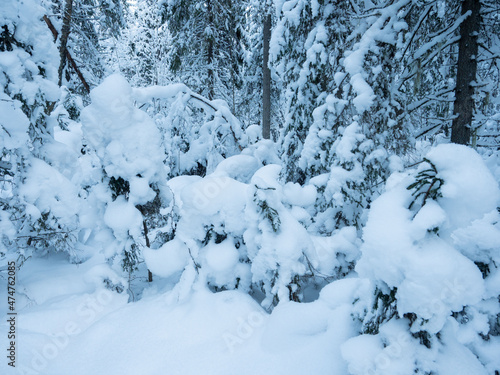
(168, 260)
(469, 189)
(125, 138)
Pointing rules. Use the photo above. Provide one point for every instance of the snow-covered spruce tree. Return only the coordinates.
(303, 44)
(142, 52)
(355, 125)
(276, 242)
(431, 252)
(40, 204)
(381, 88)
(127, 144)
(206, 53)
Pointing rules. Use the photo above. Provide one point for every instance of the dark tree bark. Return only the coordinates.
(66, 28)
(266, 80)
(145, 227)
(143, 211)
(210, 53)
(466, 73)
(68, 55)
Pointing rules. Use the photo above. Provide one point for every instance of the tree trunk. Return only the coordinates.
(466, 73)
(148, 245)
(210, 52)
(66, 27)
(266, 80)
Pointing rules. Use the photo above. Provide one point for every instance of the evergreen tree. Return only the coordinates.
(299, 52)
(39, 202)
(144, 58)
(94, 26)
(206, 53)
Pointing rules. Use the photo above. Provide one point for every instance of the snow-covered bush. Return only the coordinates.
(240, 228)
(431, 246)
(128, 146)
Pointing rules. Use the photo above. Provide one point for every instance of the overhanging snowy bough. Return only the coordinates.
(198, 132)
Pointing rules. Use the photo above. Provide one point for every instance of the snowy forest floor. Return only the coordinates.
(69, 325)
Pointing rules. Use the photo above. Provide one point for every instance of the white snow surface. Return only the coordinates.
(88, 329)
(126, 139)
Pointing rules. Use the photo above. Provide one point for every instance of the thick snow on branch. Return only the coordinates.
(172, 92)
(380, 30)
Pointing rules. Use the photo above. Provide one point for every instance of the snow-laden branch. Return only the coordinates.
(380, 29)
(174, 91)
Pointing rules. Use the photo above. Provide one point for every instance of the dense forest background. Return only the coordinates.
(343, 153)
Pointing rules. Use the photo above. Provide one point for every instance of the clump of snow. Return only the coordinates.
(479, 240)
(168, 260)
(265, 151)
(125, 138)
(239, 167)
(392, 351)
(14, 127)
(431, 216)
(254, 133)
(208, 196)
(336, 252)
(222, 265)
(140, 192)
(221, 257)
(297, 195)
(101, 275)
(469, 190)
(123, 218)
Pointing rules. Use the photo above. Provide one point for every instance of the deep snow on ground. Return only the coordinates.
(70, 325)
